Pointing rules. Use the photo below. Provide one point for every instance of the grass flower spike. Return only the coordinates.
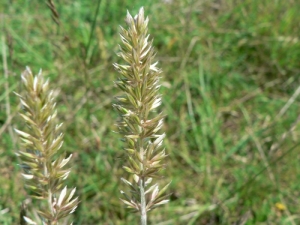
(140, 123)
(42, 162)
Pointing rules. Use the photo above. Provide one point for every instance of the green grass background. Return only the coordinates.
(230, 93)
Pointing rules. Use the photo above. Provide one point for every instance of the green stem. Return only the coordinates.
(143, 202)
(142, 178)
(143, 211)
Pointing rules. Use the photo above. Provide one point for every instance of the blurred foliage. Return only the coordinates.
(230, 92)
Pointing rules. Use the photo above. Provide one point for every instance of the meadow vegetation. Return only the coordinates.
(230, 87)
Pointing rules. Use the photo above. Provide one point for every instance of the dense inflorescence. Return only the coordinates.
(140, 123)
(42, 162)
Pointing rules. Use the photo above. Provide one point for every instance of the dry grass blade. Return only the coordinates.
(54, 15)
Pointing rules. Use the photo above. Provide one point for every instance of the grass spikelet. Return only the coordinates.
(140, 123)
(42, 161)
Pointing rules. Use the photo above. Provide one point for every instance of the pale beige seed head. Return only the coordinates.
(42, 162)
(139, 122)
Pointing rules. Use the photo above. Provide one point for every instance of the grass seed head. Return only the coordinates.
(139, 122)
(41, 159)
